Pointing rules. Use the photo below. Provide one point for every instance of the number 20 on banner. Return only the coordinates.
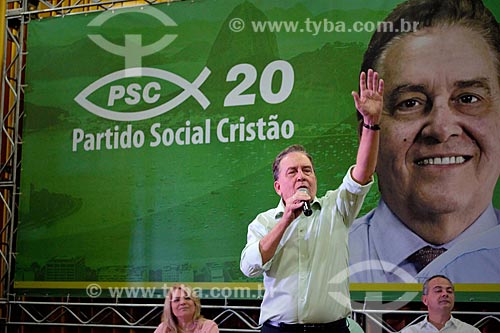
(238, 97)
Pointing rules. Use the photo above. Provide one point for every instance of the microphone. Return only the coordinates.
(307, 205)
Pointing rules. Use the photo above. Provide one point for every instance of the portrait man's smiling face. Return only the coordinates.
(440, 139)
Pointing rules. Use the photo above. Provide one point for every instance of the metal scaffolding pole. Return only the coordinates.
(10, 141)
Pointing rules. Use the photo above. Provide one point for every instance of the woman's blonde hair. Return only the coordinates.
(169, 319)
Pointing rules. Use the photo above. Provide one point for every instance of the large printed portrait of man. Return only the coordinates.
(439, 158)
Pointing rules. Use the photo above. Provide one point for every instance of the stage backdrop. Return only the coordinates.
(150, 133)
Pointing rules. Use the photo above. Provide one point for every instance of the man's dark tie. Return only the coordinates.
(424, 256)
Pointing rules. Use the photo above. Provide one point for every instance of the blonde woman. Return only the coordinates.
(182, 313)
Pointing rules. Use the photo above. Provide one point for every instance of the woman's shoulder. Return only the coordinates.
(207, 326)
(160, 328)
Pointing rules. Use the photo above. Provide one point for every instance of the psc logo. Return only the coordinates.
(137, 92)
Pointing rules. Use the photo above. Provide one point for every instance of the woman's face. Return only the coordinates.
(182, 304)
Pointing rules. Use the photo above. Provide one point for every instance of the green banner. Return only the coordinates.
(150, 133)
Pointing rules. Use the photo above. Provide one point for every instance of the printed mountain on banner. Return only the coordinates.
(328, 84)
(231, 48)
(316, 71)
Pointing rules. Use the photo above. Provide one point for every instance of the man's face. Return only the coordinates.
(440, 138)
(440, 296)
(295, 172)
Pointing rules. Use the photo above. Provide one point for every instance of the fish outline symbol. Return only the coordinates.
(190, 89)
